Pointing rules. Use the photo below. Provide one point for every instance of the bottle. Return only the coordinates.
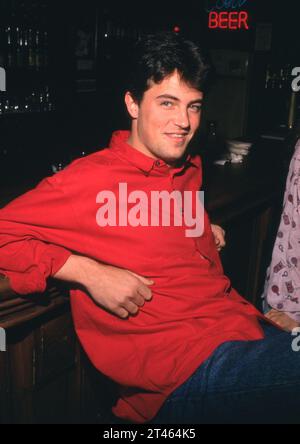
(25, 31)
(31, 51)
(48, 103)
(19, 48)
(38, 57)
(268, 77)
(292, 110)
(45, 50)
(1, 104)
(211, 143)
(8, 32)
(211, 138)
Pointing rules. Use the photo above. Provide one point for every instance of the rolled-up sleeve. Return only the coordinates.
(36, 232)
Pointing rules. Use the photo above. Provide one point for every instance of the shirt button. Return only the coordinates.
(157, 163)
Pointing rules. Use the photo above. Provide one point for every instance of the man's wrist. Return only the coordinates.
(79, 270)
(88, 269)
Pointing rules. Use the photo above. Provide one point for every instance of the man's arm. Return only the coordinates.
(118, 291)
(32, 228)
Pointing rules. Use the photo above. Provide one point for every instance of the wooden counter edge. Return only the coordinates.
(16, 310)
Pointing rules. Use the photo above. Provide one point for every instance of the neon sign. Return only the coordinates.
(213, 5)
(226, 14)
(228, 20)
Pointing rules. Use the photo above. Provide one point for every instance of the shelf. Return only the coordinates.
(30, 113)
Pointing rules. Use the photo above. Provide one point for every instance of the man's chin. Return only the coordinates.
(175, 161)
(174, 156)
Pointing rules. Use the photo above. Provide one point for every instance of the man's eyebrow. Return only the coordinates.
(200, 100)
(169, 96)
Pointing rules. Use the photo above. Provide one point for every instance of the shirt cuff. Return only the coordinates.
(34, 280)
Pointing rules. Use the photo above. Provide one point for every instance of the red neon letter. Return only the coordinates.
(223, 20)
(243, 18)
(233, 20)
(213, 20)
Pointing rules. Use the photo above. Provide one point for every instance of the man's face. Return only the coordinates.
(166, 119)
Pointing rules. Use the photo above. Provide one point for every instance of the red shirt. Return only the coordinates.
(193, 310)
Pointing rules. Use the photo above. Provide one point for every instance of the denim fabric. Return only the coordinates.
(242, 382)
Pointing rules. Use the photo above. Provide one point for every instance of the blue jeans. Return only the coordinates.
(242, 382)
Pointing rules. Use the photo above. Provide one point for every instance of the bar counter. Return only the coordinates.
(45, 376)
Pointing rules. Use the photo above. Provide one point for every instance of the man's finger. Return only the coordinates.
(145, 292)
(131, 308)
(145, 281)
(138, 299)
(121, 313)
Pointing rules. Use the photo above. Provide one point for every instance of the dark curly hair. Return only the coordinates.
(157, 56)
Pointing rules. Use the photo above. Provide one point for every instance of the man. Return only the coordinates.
(155, 312)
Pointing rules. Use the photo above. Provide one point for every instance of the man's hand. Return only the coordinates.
(282, 319)
(219, 235)
(120, 292)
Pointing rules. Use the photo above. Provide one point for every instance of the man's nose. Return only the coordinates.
(182, 118)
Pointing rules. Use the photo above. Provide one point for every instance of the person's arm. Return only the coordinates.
(118, 291)
(35, 237)
(284, 320)
(219, 235)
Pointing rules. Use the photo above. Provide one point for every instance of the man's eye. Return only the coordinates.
(167, 104)
(196, 108)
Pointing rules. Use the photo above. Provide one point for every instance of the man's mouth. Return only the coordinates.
(177, 136)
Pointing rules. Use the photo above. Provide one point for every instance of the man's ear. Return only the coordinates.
(132, 106)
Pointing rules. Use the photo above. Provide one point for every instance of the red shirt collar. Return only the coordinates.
(119, 144)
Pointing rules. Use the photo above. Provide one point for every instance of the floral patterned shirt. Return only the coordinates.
(282, 287)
